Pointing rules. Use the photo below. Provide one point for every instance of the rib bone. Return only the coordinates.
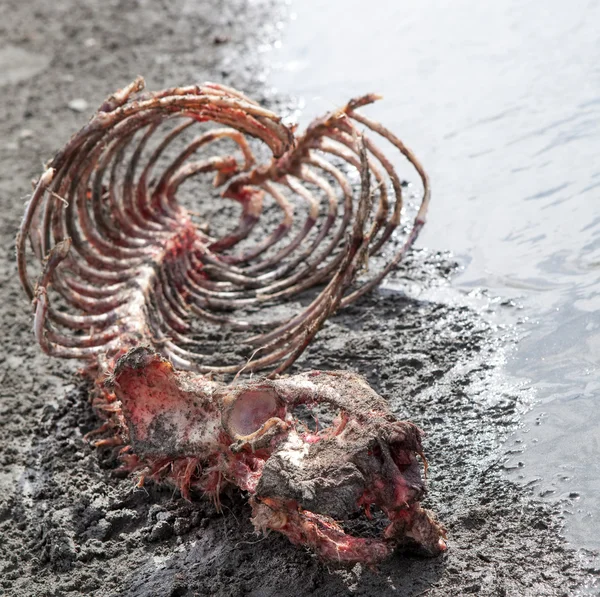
(123, 262)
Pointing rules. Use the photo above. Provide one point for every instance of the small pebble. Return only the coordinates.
(101, 530)
(161, 530)
(168, 516)
(181, 526)
(153, 512)
(78, 105)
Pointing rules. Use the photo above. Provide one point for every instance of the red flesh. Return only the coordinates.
(201, 435)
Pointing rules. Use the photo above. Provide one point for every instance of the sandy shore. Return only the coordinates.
(68, 526)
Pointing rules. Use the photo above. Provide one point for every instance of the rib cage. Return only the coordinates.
(130, 265)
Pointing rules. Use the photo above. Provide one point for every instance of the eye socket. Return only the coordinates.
(401, 456)
(251, 410)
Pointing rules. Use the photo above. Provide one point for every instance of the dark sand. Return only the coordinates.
(68, 526)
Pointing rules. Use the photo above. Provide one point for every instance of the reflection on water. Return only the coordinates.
(501, 101)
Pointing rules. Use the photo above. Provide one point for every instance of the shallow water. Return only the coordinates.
(501, 102)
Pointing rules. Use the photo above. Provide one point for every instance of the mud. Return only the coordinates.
(70, 526)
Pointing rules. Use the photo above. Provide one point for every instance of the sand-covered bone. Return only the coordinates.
(176, 427)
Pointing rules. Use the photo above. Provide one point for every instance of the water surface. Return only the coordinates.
(501, 101)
